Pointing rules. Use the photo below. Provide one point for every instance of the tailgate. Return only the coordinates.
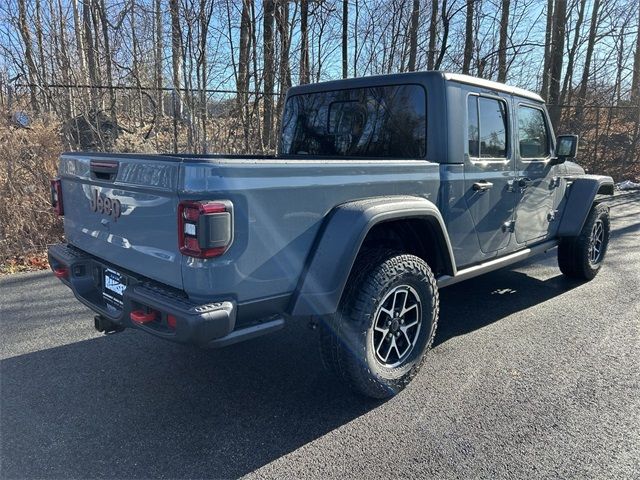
(122, 208)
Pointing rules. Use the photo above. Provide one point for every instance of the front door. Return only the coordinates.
(535, 184)
(489, 170)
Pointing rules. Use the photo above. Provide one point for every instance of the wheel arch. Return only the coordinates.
(414, 223)
(580, 198)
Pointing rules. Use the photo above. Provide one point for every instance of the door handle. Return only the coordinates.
(524, 182)
(482, 186)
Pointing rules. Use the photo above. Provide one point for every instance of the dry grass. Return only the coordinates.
(28, 160)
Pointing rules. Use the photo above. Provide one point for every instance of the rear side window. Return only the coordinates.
(532, 133)
(487, 127)
(386, 122)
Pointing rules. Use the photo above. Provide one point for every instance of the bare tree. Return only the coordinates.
(413, 35)
(433, 32)
(304, 42)
(502, 46)
(28, 55)
(565, 94)
(102, 10)
(176, 57)
(158, 55)
(269, 48)
(345, 38)
(548, 39)
(556, 59)
(242, 84)
(468, 37)
(90, 52)
(593, 30)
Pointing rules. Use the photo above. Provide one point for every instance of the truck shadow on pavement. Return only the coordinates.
(132, 406)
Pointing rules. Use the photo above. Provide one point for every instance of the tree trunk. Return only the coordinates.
(65, 62)
(108, 60)
(546, 70)
(176, 56)
(413, 36)
(268, 41)
(445, 35)
(87, 21)
(243, 68)
(158, 57)
(79, 43)
(41, 56)
(304, 42)
(568, 77)
(204, 17)
(284, 69)
(355, 38)
(468, 38)
(593, 30)
(635, 83)
(502, 46)
(345, 32)
(28, 55)
(433, 32)
(557, 56)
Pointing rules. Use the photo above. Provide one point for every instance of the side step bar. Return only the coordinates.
(470, 272)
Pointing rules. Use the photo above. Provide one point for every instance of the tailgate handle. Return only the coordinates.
(104, 170)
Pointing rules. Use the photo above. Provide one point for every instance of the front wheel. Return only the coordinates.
(581, 257)
(386, 322)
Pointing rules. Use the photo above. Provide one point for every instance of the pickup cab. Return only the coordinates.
(384, 190)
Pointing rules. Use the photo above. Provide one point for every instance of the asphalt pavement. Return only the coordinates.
(531, 376)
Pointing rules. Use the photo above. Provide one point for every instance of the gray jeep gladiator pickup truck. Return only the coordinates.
(384, 190)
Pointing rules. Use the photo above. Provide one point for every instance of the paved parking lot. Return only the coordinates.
(531, 376)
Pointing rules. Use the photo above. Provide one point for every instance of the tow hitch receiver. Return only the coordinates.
(104, 325)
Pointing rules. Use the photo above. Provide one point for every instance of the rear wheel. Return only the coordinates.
(581, 257)
(386, 322)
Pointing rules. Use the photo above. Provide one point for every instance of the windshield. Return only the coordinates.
(387, 122)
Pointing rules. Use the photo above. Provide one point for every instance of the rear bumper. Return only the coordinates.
(210, 324)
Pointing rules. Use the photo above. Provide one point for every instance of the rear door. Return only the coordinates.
(122, 209)
(489, 169)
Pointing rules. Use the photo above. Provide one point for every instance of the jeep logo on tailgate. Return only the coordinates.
(103, 204)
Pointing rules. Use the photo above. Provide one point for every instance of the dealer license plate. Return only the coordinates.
(114, 285)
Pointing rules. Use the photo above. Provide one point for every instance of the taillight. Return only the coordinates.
(205, 229)
(56, 196)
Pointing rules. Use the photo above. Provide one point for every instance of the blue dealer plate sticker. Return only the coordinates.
(114, 285)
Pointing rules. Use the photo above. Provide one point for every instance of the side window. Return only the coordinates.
(493, 128)
(487, 127)
(532, 133)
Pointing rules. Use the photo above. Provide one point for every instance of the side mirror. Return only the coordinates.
(566, 148)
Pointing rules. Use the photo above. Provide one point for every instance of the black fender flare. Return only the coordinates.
(580, 196)
(340, 239)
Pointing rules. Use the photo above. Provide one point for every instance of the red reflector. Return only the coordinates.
(140, 316)
(191, 214)
(171, 322)
(56, 196)
(191, 243)
(61, 272)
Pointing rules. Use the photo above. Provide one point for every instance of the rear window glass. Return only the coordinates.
(388, 122)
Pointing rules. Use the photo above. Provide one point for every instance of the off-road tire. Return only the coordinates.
(574, 252)
(345, 340)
